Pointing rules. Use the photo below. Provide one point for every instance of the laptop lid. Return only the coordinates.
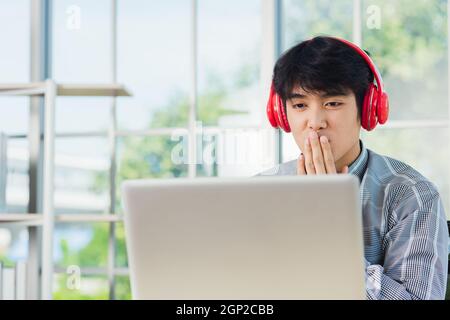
(289, 237)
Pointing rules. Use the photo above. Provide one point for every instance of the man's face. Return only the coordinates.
(334, 116)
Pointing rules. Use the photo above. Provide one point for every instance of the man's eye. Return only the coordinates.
(334, 104)
(298, 106)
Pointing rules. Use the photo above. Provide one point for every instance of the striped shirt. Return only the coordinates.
(404, 228)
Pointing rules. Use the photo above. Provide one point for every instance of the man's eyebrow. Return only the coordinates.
(333, 94)
(296, 95)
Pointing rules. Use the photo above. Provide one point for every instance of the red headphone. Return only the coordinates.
(375, 107)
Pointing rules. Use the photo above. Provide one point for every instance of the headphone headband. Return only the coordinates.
(368, 60)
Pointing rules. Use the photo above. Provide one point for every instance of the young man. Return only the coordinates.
(323, 91)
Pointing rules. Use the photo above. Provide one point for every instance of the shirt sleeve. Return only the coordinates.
(416, 250)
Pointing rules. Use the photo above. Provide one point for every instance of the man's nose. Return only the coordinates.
(317, 120)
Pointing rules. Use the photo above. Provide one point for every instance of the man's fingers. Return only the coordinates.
(301, 165)
(328, 155)
(309, 165)
(317, 155)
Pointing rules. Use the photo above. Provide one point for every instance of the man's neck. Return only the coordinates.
(349, 157)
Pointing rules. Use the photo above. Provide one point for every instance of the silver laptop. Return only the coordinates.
(291, 237)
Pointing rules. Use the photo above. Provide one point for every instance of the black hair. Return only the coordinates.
(323, 65)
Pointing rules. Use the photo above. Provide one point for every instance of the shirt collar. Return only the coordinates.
(358, 167)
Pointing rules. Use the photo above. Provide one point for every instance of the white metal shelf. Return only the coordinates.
(99, 271)
(23, 219)
(49, 90)
(98, 90)
(36, 219)
(86, 217)
(68, 89)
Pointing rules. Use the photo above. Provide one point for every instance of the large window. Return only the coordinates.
(155, 61)
(195, 69)
(14, 156)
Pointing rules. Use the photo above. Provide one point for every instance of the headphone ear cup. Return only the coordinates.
(275, 111)
(383, 108)
(283, 116)
(365, 110)
(369, 117)
(270, 111)
(278, 106)
(373, 120)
